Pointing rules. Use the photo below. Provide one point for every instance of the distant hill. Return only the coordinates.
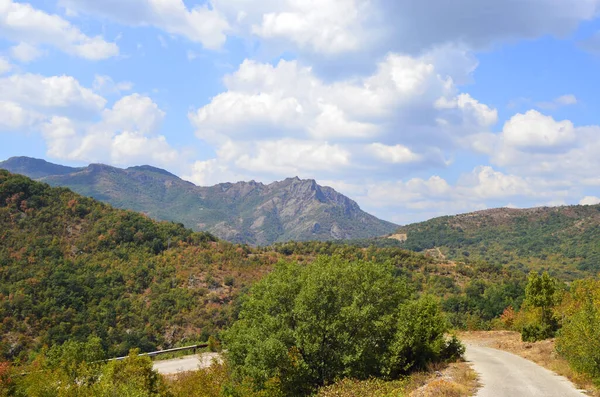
(242, 212)
(564, 240)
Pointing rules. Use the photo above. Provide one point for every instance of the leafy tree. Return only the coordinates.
(541, 296)
(579, 338)
(308, 326)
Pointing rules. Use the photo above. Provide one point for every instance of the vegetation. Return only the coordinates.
(561, 240)
(579, 338)
(303, 327)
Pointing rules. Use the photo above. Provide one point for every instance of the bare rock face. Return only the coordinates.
(244, 212)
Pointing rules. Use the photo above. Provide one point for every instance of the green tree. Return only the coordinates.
(541, 296)
(306, 326)
(579, 338)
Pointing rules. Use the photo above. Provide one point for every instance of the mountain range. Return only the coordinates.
(242, 212)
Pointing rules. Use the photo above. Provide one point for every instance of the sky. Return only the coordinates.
(413, 108)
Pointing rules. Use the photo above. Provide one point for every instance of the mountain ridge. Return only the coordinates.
(242, 212)
(564, 240)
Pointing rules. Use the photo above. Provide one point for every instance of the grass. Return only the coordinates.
(542, 353)
(453, 380)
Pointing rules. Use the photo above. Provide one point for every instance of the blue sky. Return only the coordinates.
(413, 108)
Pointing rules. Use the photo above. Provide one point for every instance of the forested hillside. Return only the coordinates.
(563, 240)
(72, 267)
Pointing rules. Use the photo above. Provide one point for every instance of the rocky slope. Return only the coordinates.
(244, 212)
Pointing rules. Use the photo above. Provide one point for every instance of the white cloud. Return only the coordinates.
(403, 93)
(23, 23)
(564, 100)
(14, 118)
(378, 26)
(324, 26)
(273, 121)
(393, 154)
(25, 52)
(201, 24)
(536, 146)
(590, 200)
(486, 183)
(534, 130)
(106, 85)
(134, 112)
(127, 134)
(5, 66)
(62, 93)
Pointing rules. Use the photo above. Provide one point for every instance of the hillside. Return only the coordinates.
(72, 267)
(243, 212)
(564, 240)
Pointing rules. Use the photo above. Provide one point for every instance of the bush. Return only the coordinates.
(536, 332)
(579, 339)
(419, 337)
(305, 327)
(536, 321)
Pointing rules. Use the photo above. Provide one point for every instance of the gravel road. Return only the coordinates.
(187, 363)
(503, 374)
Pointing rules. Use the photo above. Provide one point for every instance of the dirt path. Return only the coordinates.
(504, 374)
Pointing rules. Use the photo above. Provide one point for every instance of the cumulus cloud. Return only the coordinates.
(377, 26)
(393, 154)
(60, 93)
(127, 134)
(324, 26)
(202, 23)
(590, 200)
(273, 121)
(23, 23)
(335, 27)
(288, 98)
(14, 118)
(534, 130)
(560, 157)
(415, 199)
(76, 125)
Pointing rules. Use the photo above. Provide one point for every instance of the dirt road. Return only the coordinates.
(503, 374)
(184, 364)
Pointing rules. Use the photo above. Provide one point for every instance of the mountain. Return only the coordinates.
(564, 240)
(35, 168)
(243, 212)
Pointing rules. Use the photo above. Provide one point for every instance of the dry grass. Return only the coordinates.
(542, 353)
(456, 380)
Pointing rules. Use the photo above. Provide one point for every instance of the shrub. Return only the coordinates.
(579, 339)
(536, 321)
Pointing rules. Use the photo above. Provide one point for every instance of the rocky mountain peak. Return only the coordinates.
(247, 212)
